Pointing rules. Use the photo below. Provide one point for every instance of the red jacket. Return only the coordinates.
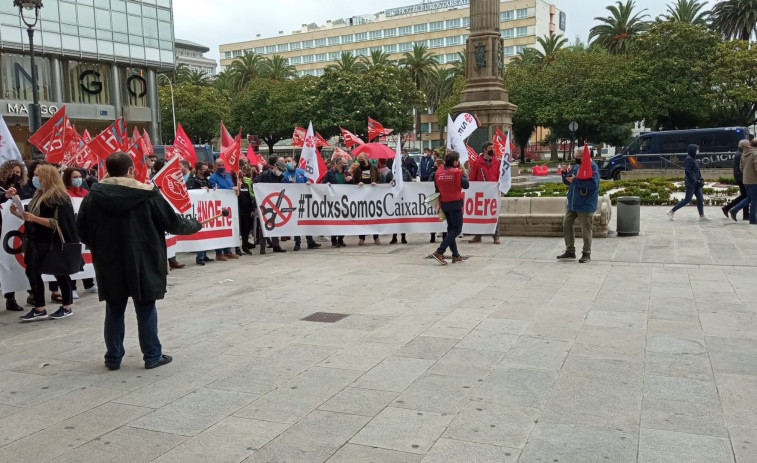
(480, 172)
(449, 183)
(77, 191)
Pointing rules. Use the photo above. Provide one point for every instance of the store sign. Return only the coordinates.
(23, 108)
(90, 82)
(426, 7)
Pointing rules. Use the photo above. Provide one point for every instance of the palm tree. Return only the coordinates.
(439, 85)
(198, 78)
(460, 67)
(735, 19)
(347, 63)
(245, 68)
(526, 56)
(619, 29)
(687, 11)
(550, 45)
(276, 68)
(377, 58)
(421, 63)
(224, 81)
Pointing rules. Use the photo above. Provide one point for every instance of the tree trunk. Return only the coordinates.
(553, 151)
(523, 154)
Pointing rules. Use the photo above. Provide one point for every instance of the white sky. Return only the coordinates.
(209, 23)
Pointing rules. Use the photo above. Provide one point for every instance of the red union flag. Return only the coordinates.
(147, 147)
(72, 143)
(350, 139)
(232, 153)
(170, 181)
(472, 155)
(226, 138)
(41, 138)
(298, 137)
(86, 136)
(183, 147)
(375, 129)
(138, 158)
(500, 145)
(109, 140)
(338, 152)
(320, 141)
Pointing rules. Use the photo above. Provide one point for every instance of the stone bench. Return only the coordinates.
(544, 216)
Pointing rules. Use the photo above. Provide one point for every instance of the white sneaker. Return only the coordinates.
(74, 295)
(704, 218)
(670, 215)
(93, 289)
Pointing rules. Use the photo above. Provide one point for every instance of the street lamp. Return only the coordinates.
(35, 114)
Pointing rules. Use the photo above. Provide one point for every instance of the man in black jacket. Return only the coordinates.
(124, 222)
(409, 164)
(738, 176)
(273, 175)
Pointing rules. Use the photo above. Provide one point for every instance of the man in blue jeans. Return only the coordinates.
(124, 222)
(221, 180)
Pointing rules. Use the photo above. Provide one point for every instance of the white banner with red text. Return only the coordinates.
(12, 264)
(220, 233)
(301, 209)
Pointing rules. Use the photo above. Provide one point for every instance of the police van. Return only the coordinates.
(668, 150)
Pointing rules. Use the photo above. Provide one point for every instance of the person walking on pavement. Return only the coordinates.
(124, 223)
(749, 167)
(738, 177)
(583, 196)
(485, 169)
(694, 184)
(450, 181)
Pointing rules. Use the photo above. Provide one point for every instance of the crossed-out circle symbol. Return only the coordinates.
(279, 216)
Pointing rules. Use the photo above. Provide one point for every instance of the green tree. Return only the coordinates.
(735, 19)
(376, 58)
(460, 67)
(276, 68)
(445, 108)
(617, 31)
(688, 11)
(526, 56)
(385, 93)
(439, 84)
(224, 82)
(347, 62)
(269, 108)
(421, 63)
(522, 130)
(244, 69)
(550, 45)
(734, 77)
(199, 109)
(198, 78)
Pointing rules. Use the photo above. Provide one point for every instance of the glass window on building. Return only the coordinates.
(270, 49)
(320, 72)
(16, 81)
(282, 47)
(295, 45)
(68, 13)
(466, 21)
(334, 55)
(135, 82)
(390, 32)
(294, 60)
(454, 40)
(348, 38)
(306, 44)
(421, 43)
(509, 51)
(260, 50)
(390, 48)
(320, 43)
(521, 31)
(452, 57)
(453, 23)
(437, 26)
(333, 41)
(236, 53)
(361, 37)
(508, 33)
(406, 46)
(361, 52)
(375, 35)
(405, 30)
(521, 13)
(436, 43)
(307, 59)
(320, 57)
(506, 15)
(520, 48)
(87, 83)
(420, 28)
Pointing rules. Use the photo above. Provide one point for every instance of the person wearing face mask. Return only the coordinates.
(221, 180)
(339, 175)
(273, 175)
(12, 177)
(450, 181)
(427, 165)
(486, 169)
(582, 202)
(294, 174)
(694, 184)
(409, 164)
(73, 181)
(365, 173)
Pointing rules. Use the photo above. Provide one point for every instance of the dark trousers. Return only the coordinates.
(692, 190)
(245, 227)
(309, 239)
(743, 194)
(752, 189)
(362, 237)
(147, 326)
(38, 287)
(454, 228)
(337, 239)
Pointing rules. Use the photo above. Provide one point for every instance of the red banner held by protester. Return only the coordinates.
(226, 138)
(109, 140)
(585, 171)
(182, 147)
(170, 181)
(350, 139)
(147, 147)
(232, 153)
(41, 138)
(320, 141)
(375, 129)
(500, 144)
(298, 137)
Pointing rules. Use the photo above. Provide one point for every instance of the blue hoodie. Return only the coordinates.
(583, 194)
(692, 167)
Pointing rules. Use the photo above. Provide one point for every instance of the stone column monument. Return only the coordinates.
(485, 96)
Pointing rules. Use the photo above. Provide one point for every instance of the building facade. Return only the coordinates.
(442, 26)
(192, 56)
(99, 58)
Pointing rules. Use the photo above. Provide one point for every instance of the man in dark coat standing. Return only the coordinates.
(124, 222)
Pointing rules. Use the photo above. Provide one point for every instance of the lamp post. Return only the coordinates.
(173, 106)
(35, 114)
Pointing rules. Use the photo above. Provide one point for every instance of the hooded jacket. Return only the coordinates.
(583, 194)
(749, 165)
(124, 222)
(692, 168)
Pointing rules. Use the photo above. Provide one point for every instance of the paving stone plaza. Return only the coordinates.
(647, 354)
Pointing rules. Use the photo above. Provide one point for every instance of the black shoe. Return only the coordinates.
(342, 245)
(12, 305)
(112, 367)
(207, 259)
(725, 211)
(314, 245)
(404, 240)
(585, 257)
(279, 249)
(334, 245)
(238, 251)
(567, 255)
(200, 262)
(733, 216)
(247, 251)
(164, 360)
(61, 313)
(433, 239)
(296, 247)
(394, 240)
(33, 315)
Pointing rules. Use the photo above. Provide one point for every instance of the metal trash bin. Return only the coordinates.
(629, 215)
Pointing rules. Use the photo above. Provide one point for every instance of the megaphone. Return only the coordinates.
(434, 201)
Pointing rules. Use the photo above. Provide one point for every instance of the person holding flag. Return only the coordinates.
(583, 194)
(293, 174)
(485, 169)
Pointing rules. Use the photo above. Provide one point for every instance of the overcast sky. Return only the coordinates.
(209, 23)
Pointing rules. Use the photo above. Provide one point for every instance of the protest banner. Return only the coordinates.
(301, 209)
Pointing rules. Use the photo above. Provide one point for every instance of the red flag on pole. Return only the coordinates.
(472, 155)
(375, 129)
(41, 138)
(170, 181)
(350, 139)
(226, 138)
(585, 171)
(86, 136)
(500, 144)
(147, 147)
(231, 154)
(320, 141)
(298, 137)
(182, 147)
(138, 158)
(338, 152)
